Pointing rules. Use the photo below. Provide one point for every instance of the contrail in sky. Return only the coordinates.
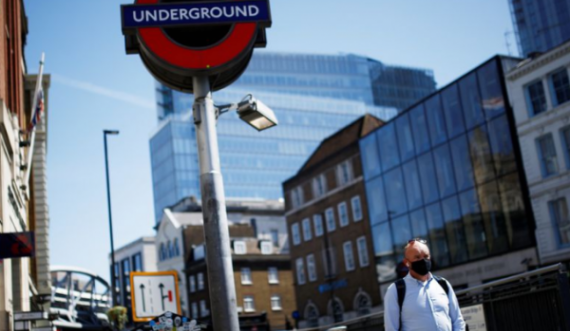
(103, 91)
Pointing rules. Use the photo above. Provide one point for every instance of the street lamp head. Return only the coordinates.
(256, 114)
(114, 132)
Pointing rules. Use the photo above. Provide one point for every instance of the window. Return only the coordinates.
(295, 234)
(405, 138)
(194, 310)
(248, 304)
(246, 276)
(162, 254)
(199, 252)
(311, 267)
(273, 275)
(266, 247)
(329, 262)
(444, 170)
(418, 121)
(329, 218)
(318, 222)
(561, 220)
(547, 155)
(362, 251)
(200, 281)
(452, 110)
(565, 132)
(348, 256)
(297, 196)
(376, 201)
(536, 98)
(204, 311)
(239, 248)
(344, 173)
(369, 155)
(356, 208)
(137, 262)
(390, 155)
(412, 181)
(307, 235)
(300, 271)
(560, 86)
(319, 185)
(192, 282)
(275, 302)
(275, 237)
(176, 247)
(343, 214)
(170, 249)
(395, 191)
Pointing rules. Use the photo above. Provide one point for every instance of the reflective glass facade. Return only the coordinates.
(453, 179)
(540, 24)
(312, 95)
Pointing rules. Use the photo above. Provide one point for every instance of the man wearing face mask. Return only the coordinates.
(421, 301)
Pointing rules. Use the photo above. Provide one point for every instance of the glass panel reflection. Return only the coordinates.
(385, 263)
(454, 229)
(418, 122)
(436, 122)
(376, 201)
(401, 233)
(444, 170)
(462, 163)
(502, 146)
(491, 92)
(493, 217)
(395, 192)
(370, 156)
(452, 111)
(513, 207)
(419, 225)
(413, 188)
(437, 241)
(388, 148)
(473, 222)
(481, 155)
(471, 101)
(405, 139)
(428, 178)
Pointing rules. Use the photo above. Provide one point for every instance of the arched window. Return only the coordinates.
(362, 303)
(311, 314)
(176, 248)
(336, 310)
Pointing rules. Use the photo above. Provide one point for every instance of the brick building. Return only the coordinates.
(262, 273)
(330, 243)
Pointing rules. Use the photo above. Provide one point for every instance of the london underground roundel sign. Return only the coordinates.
(181, 39)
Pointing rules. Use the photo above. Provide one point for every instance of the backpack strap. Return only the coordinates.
(401, 289)
(443, 283)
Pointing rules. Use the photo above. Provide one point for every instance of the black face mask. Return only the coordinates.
(422, 267)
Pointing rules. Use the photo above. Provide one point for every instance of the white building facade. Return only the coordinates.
(539, 91)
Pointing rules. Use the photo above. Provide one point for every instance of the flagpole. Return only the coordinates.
(33, 112)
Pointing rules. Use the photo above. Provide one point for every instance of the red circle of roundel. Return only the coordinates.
(234, 44)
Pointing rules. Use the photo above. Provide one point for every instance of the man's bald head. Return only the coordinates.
(415, 251)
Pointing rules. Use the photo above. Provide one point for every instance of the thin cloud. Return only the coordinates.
(99, 90)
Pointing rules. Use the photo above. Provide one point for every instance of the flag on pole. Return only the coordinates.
(38, 112)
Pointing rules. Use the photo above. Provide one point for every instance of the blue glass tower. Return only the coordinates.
(540, 24)
(312, 96)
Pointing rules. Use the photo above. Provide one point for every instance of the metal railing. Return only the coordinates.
(534, 300)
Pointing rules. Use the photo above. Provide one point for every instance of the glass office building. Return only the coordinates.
(312, 95)
(448, 169)
(540, 24)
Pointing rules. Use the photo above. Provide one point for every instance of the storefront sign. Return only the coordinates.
(474, 316)
(333, 286)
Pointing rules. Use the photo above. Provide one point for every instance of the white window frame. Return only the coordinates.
(201, 284)
(340, 175)
(311, 267)
(307, 233)
(245, 274)
(329, 219)
(248, 299)
(362, 247)
(297, 196)
(300, 266)
(192, 281)
(349, 262)
(356, 201)
(240, 248)
(346, 221)
(319, 186)
(275, 298)
(318, 223)
(266, 247)
(273, 275)
(295, 234)
(204, 311)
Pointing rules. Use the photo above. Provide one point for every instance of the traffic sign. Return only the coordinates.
(17, 244)
(154, 293)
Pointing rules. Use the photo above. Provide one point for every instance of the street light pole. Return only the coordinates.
(113, 275)
(216, 233)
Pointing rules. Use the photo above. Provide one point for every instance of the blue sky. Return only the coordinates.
(96, 86)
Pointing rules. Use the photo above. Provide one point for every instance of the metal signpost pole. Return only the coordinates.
(218, 253)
